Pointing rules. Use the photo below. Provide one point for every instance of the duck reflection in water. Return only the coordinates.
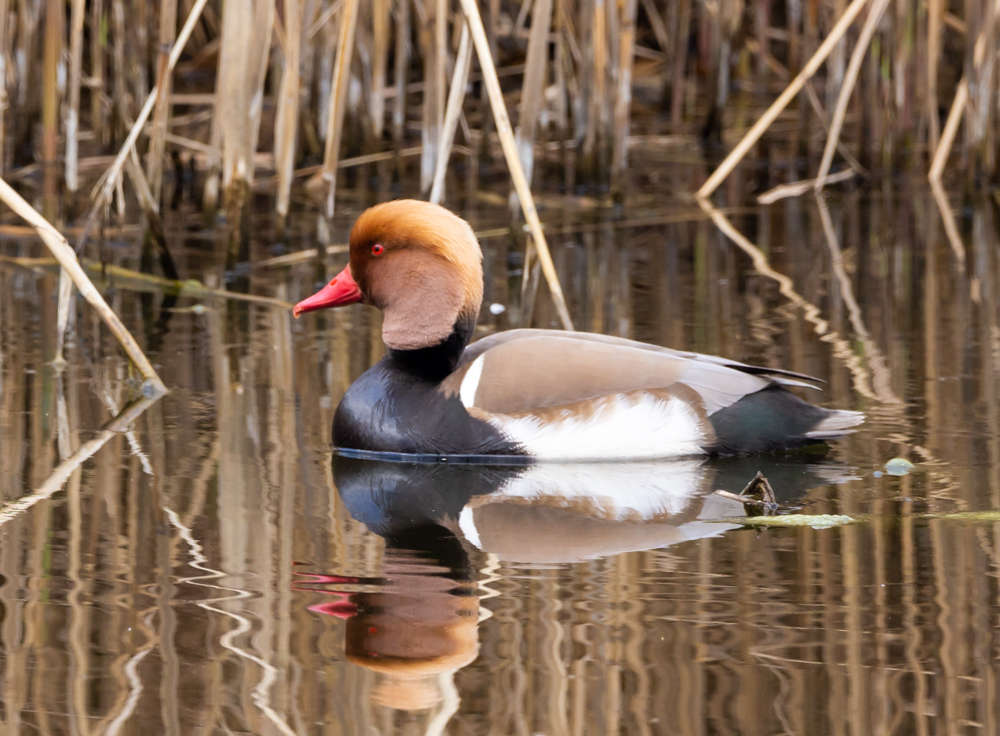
(417, 624)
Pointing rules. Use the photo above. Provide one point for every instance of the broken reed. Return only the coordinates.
(268, 89)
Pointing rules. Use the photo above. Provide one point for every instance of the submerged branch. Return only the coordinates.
(126, 278)
(67, 259)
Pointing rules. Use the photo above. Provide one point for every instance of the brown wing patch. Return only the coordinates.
(533, 374)
(526, 375)
(487, 343)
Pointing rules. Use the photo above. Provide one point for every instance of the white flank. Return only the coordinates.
(467, 524)
(837, 424)
(620, 428)
(619, 491)
(470, 384)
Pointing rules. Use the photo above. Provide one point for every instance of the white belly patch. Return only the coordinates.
(624, 426)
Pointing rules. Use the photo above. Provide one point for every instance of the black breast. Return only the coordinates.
(393, 409)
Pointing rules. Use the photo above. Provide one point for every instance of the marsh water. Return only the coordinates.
(216, 570)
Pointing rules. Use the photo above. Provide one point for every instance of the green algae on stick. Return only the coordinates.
(815, 521)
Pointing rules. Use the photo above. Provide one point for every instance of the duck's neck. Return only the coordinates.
(436, 362)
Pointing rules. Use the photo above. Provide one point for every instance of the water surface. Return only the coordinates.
(216, 571)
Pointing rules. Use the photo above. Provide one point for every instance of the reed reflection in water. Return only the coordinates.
(222, 574)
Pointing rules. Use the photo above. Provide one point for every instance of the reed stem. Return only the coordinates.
(161, 113)
(623, 99)
(109, 181)
(456, 95)
(513, 161)
(858, 56)
(98, 44)
(380, 42)
(286, 122)
(50, 83)
(338, 100)
(754, 134)
(533, 86)
(73, 112)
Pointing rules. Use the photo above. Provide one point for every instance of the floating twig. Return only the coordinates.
(798, 188)
(126, 278)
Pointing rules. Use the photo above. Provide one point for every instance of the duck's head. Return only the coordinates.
(417, 262)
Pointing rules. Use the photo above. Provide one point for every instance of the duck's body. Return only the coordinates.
(539, 394)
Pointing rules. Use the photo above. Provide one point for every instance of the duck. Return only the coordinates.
(531, 395)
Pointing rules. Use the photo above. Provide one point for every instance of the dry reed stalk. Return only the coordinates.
(456, 95)
(338, 99)
(401, 64)
(213, 166)
(857, 57)
(50, 83)
(486, 125)
(380, 42)
(286, 121)
(935, 15)
(598, 70)
(120, 108)
(623, 99)
(659, 27)
(680, 62)
(798, 188)
(246, 40)
(950, 226)
(958, 108)
(817, 107)
(435, 60)
(4, 98)
(98, 43)
(509, 145)
(111, 178)
(161, 113)
(326, 17)
(73, 111)
(154, 225)
(152, 387)
(754, 134)
(563, 93)
(64, 302)
(533, 88)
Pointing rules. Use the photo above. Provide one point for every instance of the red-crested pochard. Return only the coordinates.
(539, 394)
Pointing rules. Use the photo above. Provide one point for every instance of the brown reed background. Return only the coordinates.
(265, 94)
(883, 627)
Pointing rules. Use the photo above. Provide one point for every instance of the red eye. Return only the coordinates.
(377, 250)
